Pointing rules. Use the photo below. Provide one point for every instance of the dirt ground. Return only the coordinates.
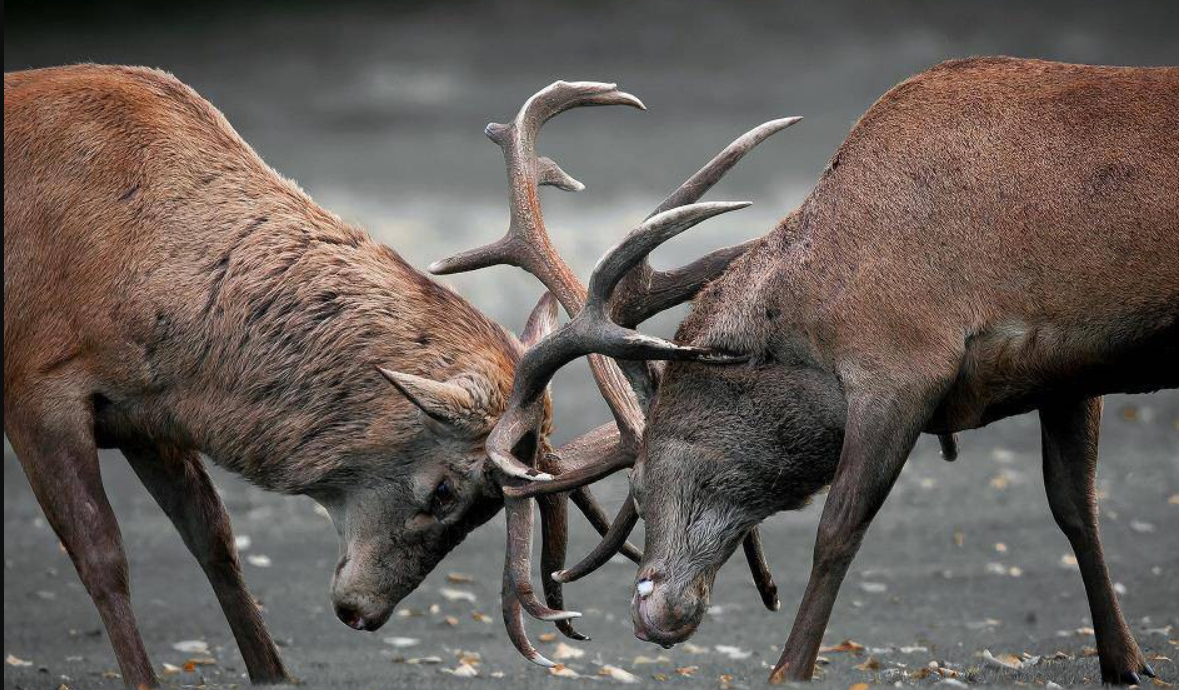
(378, 112)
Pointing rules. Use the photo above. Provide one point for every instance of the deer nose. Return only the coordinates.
(664, 616)
(352, 618)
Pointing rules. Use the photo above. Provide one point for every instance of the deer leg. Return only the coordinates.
(178, 481)
(877, 441)
(57, 451)
(1069, 433)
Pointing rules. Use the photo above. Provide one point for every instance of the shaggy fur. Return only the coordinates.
(167, 293)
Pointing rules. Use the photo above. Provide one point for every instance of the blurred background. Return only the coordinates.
(377, 109)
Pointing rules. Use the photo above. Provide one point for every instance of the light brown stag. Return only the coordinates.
(168, 294)
(995, 236)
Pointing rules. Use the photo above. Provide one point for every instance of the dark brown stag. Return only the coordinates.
(995, 236)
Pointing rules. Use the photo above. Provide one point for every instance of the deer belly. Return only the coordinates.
(1013, 369)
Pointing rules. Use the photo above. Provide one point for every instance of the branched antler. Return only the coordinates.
(598, 326)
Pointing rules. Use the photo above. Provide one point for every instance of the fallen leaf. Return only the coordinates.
(694, 648)
(547, 637)
(171, 670)
(563, 671)
(874, 587)
(732, 652)
(1089, 651)
(459, 579)
(423, 660)
(452, 621)
(870, 664)
(618, 674)
(480, 617)
(845, 646)
(687, 671)
(463, 671)
(258, 560)
(566, 651)
(1141, 526)
(1174, 499)
(1001, 547)
(401, 642)
(13, 660)
(859, 686)
(451, 594)
(191, 646)
(1003, 660)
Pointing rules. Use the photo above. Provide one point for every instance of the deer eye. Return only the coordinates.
(442, 498)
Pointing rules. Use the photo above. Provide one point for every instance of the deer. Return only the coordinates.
(168, 294)
(995, 236)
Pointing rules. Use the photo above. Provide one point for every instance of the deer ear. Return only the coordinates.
(541, 322)
(459, 407)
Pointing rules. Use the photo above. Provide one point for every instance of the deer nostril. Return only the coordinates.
(351, 617)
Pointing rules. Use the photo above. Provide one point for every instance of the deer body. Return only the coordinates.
(995, 236)
(168, 294)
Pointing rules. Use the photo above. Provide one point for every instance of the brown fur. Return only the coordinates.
(166, 292)
(994, 236)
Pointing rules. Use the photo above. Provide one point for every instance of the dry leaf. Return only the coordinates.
(694, 648)
(618, 674)
(563, 671)
(463, 671)
(732, 652)
(859, 686)
(459, 579)
(451, 621)
(1003, 660)
(870, 664)
(845, 646)
(565, 651)
(424, 660)
(258, 560)
(480, 617)
(687, 671)
(171, 670)
(451, 594)
(547, 637)
(1089, 651)
(13, 660)
(192, 646)
(401, 642)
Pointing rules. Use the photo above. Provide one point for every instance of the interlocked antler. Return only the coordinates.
(594, 455)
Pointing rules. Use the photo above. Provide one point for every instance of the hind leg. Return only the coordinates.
(55, 445)
(180, 484)
(1069, 432)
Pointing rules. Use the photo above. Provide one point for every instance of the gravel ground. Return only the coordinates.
(379, 113)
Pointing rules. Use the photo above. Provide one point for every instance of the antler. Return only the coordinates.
(592, 332)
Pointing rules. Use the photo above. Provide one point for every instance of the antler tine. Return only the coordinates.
(762, 577)
(514, 622)
(526, 243)
(593, 512)
(647, 292)
(623, 524)
(519, 563)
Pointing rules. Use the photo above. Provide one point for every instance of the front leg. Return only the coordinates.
(880, 433)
